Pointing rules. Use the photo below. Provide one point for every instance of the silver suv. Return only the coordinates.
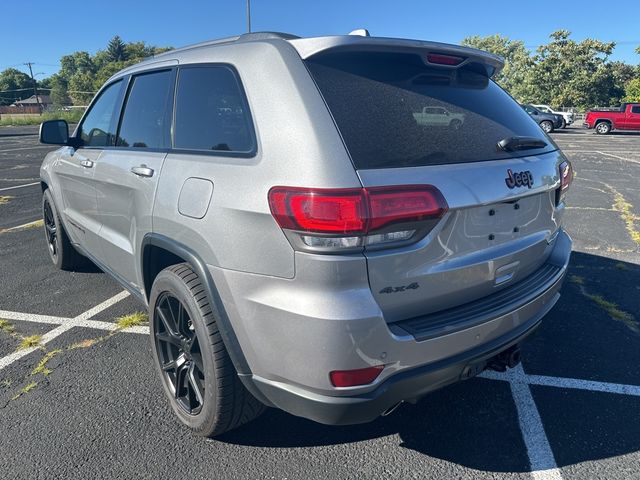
(301, 238)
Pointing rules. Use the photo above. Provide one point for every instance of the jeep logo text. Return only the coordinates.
(519, 179)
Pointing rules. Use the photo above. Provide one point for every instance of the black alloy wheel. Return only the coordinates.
(179, 353)
(50, 229)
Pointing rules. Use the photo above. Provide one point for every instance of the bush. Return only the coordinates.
(71, 116)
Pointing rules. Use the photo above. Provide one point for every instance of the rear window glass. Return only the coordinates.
(211, 112)
(395, 111)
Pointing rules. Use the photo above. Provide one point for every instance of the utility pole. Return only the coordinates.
(35, 86)
(249, 16)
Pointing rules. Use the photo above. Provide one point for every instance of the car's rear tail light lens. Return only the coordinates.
(393, 205)
(355, 217)
(566, 177)
(340, 211)
(354, 378)
(442, 59)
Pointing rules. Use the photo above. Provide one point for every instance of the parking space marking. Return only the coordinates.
(23, 148)
(65, 324)
(619, 158)
(19, 186)
(543, 463)
(593, 386)
(46, 338)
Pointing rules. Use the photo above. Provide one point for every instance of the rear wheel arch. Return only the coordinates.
(603, 121)
(160, 252)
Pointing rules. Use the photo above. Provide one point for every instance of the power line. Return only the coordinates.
(35, 85)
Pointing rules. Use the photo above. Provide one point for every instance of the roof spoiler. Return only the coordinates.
(308, 47)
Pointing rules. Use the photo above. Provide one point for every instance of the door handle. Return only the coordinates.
(142, 171)
(86, 163)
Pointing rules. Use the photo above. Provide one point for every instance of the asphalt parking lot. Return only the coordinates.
(79, 396)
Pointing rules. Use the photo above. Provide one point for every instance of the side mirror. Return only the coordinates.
(55, 132)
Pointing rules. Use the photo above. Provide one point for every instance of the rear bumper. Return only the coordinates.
(405, 386)
(412, 384)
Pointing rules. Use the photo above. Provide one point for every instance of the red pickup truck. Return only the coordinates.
(627, 118)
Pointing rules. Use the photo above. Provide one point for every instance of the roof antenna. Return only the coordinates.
(249, 16)
(361, 32)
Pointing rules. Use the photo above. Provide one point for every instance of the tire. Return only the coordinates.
(61, 252)
(602, 128)
(546, 126)
(455, 124)
(563, 124)
(197, 374)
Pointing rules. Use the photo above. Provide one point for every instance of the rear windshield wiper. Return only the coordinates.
(512, 144)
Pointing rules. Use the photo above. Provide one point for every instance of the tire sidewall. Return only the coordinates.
(57, 260)
(606, 126)
(170, 282)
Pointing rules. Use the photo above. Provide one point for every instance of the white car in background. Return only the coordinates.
(567, 116)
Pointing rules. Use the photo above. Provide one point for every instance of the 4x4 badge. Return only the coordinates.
(519, 179)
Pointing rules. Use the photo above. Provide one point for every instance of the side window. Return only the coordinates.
(211, 111)
(635, 109)
(145, 120)
(98, 126)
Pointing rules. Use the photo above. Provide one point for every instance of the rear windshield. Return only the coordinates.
(395, 111)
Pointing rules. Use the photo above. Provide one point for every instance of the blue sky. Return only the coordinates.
(88, 25)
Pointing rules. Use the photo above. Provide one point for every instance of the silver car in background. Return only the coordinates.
(303, 233)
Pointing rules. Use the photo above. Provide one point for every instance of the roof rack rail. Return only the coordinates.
(246, 37)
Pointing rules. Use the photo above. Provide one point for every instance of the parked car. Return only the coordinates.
(315, 248)
(547, 121)
(626, 118)
(568, 117)
(439, 116)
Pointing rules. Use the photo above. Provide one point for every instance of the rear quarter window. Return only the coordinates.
(211, 111)
(393, 110)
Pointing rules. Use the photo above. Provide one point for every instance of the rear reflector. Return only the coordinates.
(355, 211)
(353, 378)
(441, 59)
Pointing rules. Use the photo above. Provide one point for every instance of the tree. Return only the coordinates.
(60, 90)
(14, 85)
(116, 50)
(571, 73)
(632, 90)
(77, 62)
(515, 75)
(81, 88)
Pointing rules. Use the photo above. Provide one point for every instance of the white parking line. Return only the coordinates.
(543, 463)
(24, 148)
(593, 386)
(46, 338)
(65, 324)
(19, 186)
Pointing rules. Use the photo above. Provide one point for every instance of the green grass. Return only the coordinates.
(615, 313)
(72, 116)
(578, 280)
(41, 367)
(29, 342)
(132, 320)
(6, 326)
(25, 389)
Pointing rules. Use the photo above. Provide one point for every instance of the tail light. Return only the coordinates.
(566, 177)
(329, 219)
